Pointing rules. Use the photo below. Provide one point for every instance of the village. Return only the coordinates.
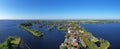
(77, 38)
(72, 39)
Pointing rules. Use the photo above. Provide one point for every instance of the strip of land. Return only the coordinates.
(32, 31)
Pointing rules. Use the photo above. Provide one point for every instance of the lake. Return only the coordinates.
(52, 39)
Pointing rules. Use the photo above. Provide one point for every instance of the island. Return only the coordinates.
(79, 38)
(35, 33)
(51, 27)
(63, 28)
(10, 43)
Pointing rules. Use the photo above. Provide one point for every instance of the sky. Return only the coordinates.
(59, 9)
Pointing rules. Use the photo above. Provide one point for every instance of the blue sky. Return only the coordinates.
(59, 9)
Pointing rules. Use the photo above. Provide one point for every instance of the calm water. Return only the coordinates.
(110, 32)
(52, 39)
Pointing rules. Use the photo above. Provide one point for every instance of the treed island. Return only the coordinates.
(77, 37)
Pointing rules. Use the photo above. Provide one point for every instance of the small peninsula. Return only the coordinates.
(79, 38)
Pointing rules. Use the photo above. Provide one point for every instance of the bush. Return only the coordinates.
(63, 47)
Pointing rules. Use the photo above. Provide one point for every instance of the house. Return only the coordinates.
(62, 45)
(81, 31)
(66, 40)
(75, 44)
(74, 40)
(71, 35)
(71, 31)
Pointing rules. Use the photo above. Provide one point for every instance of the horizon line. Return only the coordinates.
(59, 19)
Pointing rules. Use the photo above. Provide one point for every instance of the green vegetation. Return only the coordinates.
(34, 21)
(69, 45)
(51, 27)
(63, 47)
(33, 32)
(91, 45)
(10, 43)
(63, 28)
(67, 35)
(94, 39)
(104, 44)
(27, 24)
